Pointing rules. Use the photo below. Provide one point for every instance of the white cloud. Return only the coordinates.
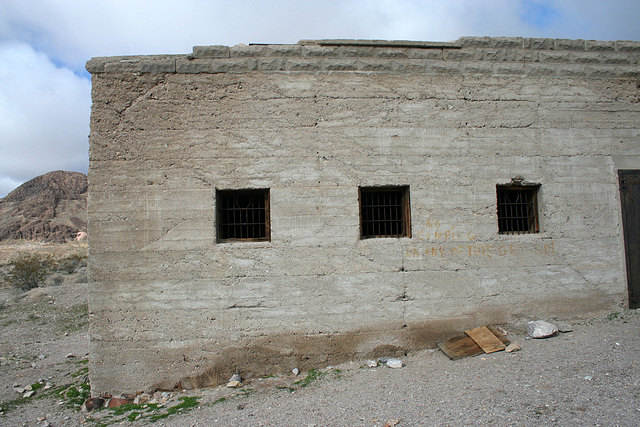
(44, 115)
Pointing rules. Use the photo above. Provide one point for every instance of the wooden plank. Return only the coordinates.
(485, 339)
(460, 346)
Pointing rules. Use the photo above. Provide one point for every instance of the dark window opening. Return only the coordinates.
(384, 212)
(518, 209)
(243, 215)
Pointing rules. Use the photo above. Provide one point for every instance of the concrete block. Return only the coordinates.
(241, 51)
(507, 42)
(555, 56)
(312, 51)
(475, 42)
(627, 46)
(539, 43)
(568, 44)
(600, 46)
(201, 52)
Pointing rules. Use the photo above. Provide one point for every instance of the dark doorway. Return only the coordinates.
(630, 198)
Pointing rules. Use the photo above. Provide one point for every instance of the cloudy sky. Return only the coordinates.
(44, 45)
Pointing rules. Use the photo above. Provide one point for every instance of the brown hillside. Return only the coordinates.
(49, 208)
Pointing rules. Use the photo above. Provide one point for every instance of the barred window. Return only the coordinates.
(243, 215)
(384, 212)
(517, 209)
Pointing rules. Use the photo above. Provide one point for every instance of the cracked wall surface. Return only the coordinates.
(312, 122)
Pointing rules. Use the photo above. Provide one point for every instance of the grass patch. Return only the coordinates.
(312, 375)
(76, 318)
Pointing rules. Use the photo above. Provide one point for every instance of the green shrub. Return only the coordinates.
(27, 271)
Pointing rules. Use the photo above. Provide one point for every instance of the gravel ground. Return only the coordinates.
(590, 376)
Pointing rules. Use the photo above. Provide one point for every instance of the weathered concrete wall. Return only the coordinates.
(313, 122)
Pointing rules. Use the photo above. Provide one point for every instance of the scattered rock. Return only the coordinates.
(234, 384)
(235, 377)
(395, 363)
(19, 390)
(114, 402)
(41, 356)
(71, 355)
(514, 346)
(588, 378)
(142, 399)
(28, 393)
(93, 403)
(295, 371)
(391, 423)
(502, 330)
(240, 406)
(565, 327)
(372, 363)
(541, 329)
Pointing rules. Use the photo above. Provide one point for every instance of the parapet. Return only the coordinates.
(492, 56)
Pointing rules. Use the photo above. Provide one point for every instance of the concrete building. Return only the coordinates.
(267, 207)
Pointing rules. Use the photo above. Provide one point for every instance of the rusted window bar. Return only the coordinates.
(243, 215)
(384, 212)
(517, 210)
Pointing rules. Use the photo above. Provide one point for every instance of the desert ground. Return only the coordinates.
(590, 376)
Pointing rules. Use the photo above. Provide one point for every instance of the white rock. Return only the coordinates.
(514, 346)
(295, 371)
(372, 363)
(234, 384)
(541, 329)
(235, 377)
(395, 363)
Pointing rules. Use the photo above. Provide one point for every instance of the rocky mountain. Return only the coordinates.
(49, 208)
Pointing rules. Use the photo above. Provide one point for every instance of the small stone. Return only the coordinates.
(514, 346)
(395, 363)
(41, 356)
(114, 402)
(91, 403)
(372, 363)
(588, 378)
(541, 329)
(235, 377)
(234, 384)
(142, 399)
(71, 355)
(165, 396)
(240, 406)
(29, 387)
(48, 385)
(564, 328)
(29, 393)
(19, 390)
(33, 365)
(295, 371)
(502, 330)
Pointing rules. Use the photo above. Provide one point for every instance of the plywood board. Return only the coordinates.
(460, 346)
(485, 339)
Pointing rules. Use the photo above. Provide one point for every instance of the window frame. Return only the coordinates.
(405, 210)
(221, 194)
(533, 217)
